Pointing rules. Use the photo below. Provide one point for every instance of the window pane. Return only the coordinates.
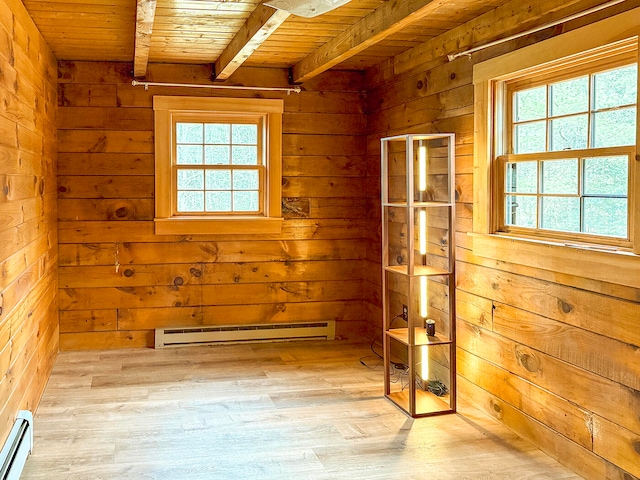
(190, 201)
(245, 201)
(570, 97)
(218, 201)
(244, 155)
(561, 213)
(218, 155)
(530, 104)
(615, 87)
(606, 216)
(530, 137)
(606, 175)
(219, 180)
(614, 128)
(188, 133)
(521, 211)
(190, 179)
(522, 177)
(560, 176)
(245, 134)
(218, 133)
(569, 133)
(245, 180)
(189, 154)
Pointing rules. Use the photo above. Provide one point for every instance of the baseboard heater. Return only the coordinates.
(220, 334)
(17, 447)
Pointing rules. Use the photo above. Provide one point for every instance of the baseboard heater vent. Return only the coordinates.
(17, 447)
(220, 334)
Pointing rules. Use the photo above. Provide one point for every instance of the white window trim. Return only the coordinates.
(591, 261)
(271, 219)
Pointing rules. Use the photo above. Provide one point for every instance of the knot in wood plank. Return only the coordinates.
(528, 360)
(122, 212)
(129, 290)
(564, 306)
(100, 145)
(211, 249)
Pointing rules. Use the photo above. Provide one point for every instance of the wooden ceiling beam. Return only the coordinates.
(145, 14)
(386, 20)
(258, 27)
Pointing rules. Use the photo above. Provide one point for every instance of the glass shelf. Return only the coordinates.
(420, 337)
(418, 270)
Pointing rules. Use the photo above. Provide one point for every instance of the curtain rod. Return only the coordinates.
(597, 8)
(146, 86)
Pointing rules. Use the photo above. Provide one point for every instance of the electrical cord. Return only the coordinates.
(438, 388)
(400, 371)
(378, 355)
(370, 367)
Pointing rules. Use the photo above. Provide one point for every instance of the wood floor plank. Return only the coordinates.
(271, 411)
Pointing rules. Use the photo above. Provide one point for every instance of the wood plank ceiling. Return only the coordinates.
(230, 33)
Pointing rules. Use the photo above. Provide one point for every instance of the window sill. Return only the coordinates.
(218, 226)
(619, 266)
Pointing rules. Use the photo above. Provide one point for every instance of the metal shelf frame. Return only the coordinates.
(433, 192)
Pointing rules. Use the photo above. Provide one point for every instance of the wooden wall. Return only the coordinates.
(118, 280)
(28, 231)
(554, 357)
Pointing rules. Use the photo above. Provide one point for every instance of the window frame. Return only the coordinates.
(267, 114)
(499, 173)
(585, 66)
(209, 118)
(588, 64)
(624, 56)
(596, 42)
(616, 265)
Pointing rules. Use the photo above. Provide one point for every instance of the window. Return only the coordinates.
(218, 165)
(569, 137)
(556, 141)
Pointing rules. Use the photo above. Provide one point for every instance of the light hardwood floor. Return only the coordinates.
(303, 410)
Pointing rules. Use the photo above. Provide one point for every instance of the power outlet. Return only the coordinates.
(405, 312)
